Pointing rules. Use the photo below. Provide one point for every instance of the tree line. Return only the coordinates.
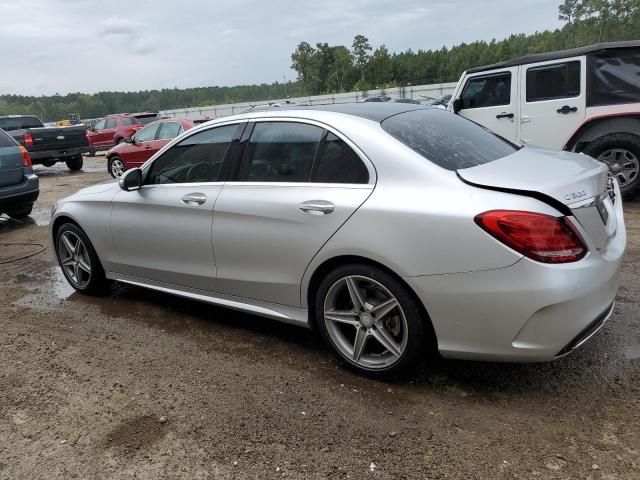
(325, 68)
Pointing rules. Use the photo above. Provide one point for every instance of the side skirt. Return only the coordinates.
(282, 313)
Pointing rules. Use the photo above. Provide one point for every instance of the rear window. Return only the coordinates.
(6, 140)
(19, 123)
(446, 139)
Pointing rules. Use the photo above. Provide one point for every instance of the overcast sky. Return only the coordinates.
(61, 46)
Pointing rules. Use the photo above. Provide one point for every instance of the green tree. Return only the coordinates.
(302, 62)
(361, 49)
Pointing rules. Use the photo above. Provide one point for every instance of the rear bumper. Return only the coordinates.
(526, 312)
(57, 155)
(24, 193)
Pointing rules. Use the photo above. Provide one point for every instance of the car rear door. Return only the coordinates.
(11, 161)
(272, 217)
(491, 99)
(553, 101)
(162, 231)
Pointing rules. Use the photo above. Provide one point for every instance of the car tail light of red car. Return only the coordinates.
(28, 139)
(26, 159)
(541, 237)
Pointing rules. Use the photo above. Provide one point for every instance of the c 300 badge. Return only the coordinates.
(575, 195)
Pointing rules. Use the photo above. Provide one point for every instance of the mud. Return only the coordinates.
(85, 382)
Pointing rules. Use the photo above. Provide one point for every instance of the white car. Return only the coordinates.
(581, 100)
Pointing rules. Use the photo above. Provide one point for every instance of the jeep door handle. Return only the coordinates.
(567, 109)
(505, 115)
(316, 207)
(194, 198)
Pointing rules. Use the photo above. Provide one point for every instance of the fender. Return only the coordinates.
(590, 121)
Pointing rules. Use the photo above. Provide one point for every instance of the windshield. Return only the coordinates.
(19, 123)
(446, 139)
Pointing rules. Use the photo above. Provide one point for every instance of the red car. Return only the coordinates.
(136, 150)
(113, 129)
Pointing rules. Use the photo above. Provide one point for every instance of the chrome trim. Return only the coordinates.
(283, 313)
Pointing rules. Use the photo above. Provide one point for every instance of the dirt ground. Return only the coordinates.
(143, 385)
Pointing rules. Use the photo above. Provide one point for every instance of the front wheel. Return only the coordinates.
(621, 152)
(74, 163)
(116, 167)
(78, 260)
(370, 320)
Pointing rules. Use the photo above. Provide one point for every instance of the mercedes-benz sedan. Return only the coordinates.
(391, 228)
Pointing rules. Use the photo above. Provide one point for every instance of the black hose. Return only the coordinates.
(42, 249)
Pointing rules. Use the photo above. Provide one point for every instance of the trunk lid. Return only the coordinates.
(575, 184)
(11, 166)
(57, 138)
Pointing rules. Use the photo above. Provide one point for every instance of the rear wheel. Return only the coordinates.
(116, 167)
(621, 152)
(370, 320)
(21, 212)
(78, 260)
(74, 163)
(92, 152)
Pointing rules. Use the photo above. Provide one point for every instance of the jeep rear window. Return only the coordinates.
(614, 76)
(446, 139)
(19, 123)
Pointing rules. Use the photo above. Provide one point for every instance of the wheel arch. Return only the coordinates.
(61, 220)
(334, 262)
(599, 126)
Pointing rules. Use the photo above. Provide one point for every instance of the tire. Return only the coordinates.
(74, 163)
(116, 166)
(404, 324)
(119, 140)
(621, 151)
(22, 212)
(74, 262)
(92, 152)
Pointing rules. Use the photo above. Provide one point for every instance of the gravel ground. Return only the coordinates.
(142, 385)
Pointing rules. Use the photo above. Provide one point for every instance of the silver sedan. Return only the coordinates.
(393, 229)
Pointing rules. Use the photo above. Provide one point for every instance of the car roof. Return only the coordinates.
(543, 57)
(376, 111)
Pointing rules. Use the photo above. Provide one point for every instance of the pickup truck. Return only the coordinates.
(48, 145)
(585, 100)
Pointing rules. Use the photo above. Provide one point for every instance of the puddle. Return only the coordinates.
(631, 352)
(7, 223)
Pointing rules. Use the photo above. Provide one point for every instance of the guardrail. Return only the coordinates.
(418, 92)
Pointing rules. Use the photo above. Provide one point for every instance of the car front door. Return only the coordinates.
(162, 231)
(272, 217)
(553, 101)
(491, 100)
(95, 134)
(142, 146)
(105, 136)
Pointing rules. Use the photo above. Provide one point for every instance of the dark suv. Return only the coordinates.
(19, 186)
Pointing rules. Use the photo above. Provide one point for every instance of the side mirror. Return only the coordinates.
(457, 105)
(129, 140)
(131, 180)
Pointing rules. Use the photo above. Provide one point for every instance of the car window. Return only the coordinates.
(197, 158)
(169, 130)
(448, 140)
(19, 123)
(280, 152)
(145, 119)
(126, 121)
(338, 163)
(6, 140)
(146, 134)
(110, 123)
(560, 80)
(100, 125)
(487, 91)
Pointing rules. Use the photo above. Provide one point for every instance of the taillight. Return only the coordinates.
(26, 159)
(28, 139)
(543, 238)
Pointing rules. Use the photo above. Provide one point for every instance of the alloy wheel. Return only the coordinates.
(365, 322)
(74, 259)
(117, 167)
(623, 164)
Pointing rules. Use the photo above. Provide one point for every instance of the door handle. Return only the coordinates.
(194, 199)
(316, 207)
(505, 115)
(567, 109)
